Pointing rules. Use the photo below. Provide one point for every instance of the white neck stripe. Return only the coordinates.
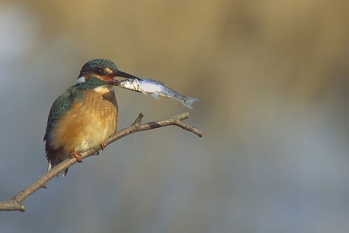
(80, 80)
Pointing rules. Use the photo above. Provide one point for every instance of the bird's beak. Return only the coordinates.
(125, 75)
(110, 79)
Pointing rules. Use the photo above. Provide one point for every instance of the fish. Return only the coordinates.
(156, 89)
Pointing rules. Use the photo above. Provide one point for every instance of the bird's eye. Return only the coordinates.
(99, 71)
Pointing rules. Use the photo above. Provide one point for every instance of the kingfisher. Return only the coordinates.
(85, 115)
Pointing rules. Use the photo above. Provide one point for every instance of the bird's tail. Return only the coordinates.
(54, 162)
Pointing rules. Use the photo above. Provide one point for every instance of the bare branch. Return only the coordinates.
(15, 203)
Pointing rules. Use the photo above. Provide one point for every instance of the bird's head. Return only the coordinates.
(102, 69)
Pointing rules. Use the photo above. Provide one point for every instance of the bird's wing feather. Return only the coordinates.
(61, 104)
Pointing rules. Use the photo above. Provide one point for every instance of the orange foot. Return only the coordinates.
(77, 155)
(103, 145)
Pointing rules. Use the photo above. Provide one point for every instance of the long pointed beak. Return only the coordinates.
(126, 75)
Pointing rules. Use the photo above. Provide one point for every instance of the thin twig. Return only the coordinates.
(15, 203)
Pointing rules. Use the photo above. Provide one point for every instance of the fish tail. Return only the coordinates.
(188, 102)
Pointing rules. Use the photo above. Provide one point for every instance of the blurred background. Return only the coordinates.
(272, 77)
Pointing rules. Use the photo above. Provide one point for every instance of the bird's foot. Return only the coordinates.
(77, 155)
(103, 145)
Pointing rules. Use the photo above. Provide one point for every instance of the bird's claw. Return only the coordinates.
(77, 155)
(103, 145)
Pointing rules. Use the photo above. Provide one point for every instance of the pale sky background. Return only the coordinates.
(273, 80)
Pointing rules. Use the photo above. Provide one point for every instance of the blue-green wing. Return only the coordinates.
(61, 104)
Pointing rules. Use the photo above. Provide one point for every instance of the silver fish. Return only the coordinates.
(156, 88)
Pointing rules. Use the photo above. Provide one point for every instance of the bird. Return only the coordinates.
(85, 115)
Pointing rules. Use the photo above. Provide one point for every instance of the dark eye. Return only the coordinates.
(99, 70)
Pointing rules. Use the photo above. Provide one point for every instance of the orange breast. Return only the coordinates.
(87, 124)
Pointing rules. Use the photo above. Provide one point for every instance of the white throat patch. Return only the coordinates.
(104, 89)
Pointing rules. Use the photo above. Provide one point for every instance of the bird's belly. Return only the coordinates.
(86, 125)
(95, 133)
